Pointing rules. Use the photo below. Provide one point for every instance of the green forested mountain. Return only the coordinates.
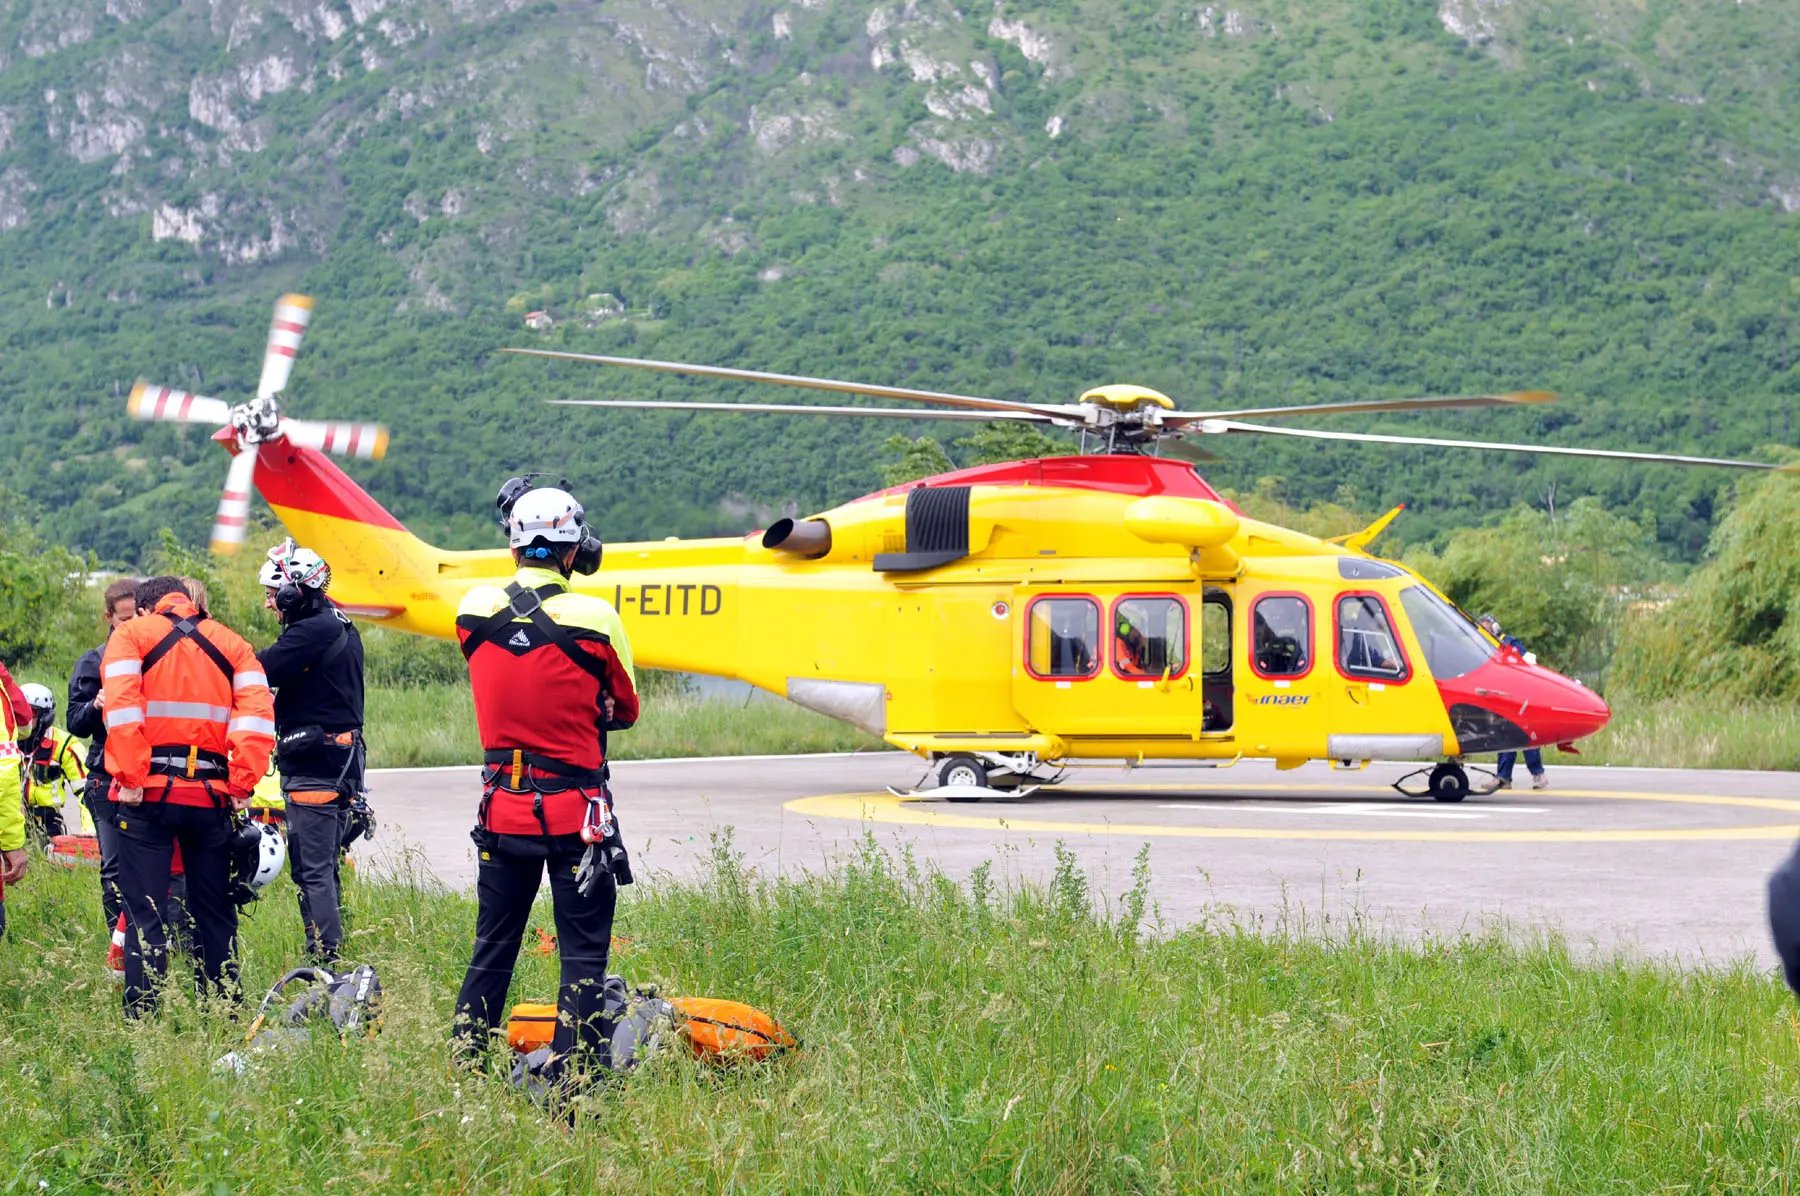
(1278, 201)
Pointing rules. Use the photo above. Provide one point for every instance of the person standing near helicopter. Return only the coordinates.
(552, 674)
(315, 668)
(1534, 759)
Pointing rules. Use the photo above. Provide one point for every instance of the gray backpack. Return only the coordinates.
(641, 1021)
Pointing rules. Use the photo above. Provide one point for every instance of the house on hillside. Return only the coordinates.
(538, 321)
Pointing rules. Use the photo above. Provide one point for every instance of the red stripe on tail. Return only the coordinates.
(304, 479)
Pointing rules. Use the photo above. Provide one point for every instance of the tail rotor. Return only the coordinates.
(256, 422)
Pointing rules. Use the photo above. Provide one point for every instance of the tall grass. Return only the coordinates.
(1696, 732)
(980, 1037)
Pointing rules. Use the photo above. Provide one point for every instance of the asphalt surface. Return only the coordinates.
(1638, 862)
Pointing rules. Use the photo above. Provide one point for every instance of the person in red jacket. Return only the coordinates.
(190, 724)
(552, 674)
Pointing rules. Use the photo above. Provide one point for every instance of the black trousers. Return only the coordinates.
(314, 836)
(511, 868)
(147, 838)
(112, 903)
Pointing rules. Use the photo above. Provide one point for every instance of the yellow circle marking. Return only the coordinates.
(908, 811)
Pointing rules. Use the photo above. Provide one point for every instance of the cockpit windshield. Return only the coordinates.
(1453, 645)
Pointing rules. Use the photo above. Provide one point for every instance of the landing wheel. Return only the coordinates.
(963, 770)
(1449, 783)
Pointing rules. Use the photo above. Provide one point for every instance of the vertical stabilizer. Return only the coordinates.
(380, 571)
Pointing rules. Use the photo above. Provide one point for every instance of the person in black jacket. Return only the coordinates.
(87, 720)
(316, 671)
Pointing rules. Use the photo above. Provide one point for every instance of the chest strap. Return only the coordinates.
(529, 604)
(187, 629)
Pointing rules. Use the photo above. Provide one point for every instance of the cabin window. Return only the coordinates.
(1149, 637)
(1366, 643)
(1281, 636)
(1453, 645)
(1064, 637)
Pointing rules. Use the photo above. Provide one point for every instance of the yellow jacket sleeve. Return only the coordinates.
(12, 801)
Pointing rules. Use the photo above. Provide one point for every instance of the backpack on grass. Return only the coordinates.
(714, 1030)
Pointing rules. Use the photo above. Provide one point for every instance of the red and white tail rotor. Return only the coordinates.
(177, 406)
(366, 442)
(292, 315)
(259, 420)
(234, 503)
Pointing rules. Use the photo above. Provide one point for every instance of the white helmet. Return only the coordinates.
(259, 851)
(548, 514)
(289, 564)
(38, 697)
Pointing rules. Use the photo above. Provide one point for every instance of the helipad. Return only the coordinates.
(1335, 812)
(1644, 861)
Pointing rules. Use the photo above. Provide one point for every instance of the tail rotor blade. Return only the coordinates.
(177, 406)
(366, 442)
(292, 314)
(234, 503)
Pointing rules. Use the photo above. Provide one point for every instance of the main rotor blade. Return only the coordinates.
(367, 442)
(234, 503)
(1369, 405)
(178, 406)
(970, 402)
(799, 409)
(1557, 450)
(292, 314)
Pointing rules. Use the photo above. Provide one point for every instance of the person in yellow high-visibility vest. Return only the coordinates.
(13, 860)
(53, 770)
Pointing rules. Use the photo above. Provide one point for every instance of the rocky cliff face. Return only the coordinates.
(234, 126)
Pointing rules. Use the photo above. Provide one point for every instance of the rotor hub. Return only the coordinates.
(257, 420)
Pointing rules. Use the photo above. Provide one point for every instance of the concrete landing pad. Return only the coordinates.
(1646, 862)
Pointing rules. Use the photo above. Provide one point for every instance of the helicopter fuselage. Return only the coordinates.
(1083, 607)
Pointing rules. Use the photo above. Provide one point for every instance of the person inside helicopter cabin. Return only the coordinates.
(1534, 759)
(1130, 649)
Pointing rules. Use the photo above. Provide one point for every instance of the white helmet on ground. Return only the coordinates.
(38, 697)
(549, 514)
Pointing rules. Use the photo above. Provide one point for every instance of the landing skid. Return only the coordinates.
(966, 792)
(1448, 781)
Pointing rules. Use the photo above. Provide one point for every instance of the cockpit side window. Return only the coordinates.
(1366, 644)
(1453, 645)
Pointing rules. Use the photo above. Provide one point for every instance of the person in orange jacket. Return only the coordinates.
(190, 725)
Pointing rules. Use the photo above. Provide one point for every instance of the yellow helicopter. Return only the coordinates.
(1002, 621)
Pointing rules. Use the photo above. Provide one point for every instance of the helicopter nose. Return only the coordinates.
(1566, 709)
(1505, 704)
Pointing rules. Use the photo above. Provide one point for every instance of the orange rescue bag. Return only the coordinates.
(531, 1026)
(725, 1031)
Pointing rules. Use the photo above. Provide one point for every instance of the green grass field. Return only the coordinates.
(957, 1038)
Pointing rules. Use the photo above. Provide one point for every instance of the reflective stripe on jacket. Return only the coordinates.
(51, 771)
(186, 701)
